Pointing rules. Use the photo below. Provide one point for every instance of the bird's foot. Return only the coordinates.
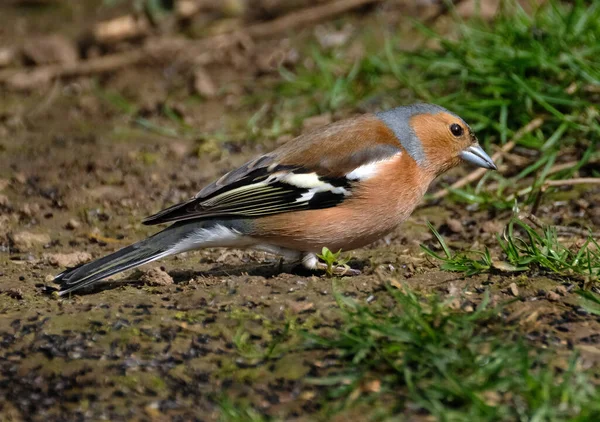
(339, 270)
(311, 262)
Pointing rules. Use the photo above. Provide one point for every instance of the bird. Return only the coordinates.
(341, 186)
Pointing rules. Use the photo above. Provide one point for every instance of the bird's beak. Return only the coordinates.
(474, 154)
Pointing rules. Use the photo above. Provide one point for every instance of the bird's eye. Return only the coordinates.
(456, 129)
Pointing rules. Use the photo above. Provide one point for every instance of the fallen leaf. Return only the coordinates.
(506, 267)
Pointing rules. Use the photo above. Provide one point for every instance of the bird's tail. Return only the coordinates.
(155, 247)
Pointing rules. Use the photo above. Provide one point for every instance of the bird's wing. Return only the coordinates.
(311, 172)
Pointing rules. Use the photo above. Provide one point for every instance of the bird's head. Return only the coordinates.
(435, 138)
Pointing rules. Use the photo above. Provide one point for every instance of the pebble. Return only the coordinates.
(204, 84)
(454, 225)
(25, 240)
(8, 56)
(552, 296)
(73, 224)
(50, 49)
(67, 259)
(492, 227)
(156, 277)
(561, 290)
(300, 307)
(514, 290)
(120, 28)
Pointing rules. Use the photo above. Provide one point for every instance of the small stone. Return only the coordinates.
(153, 411)
(531, 318)
(513, 289)
(156, 277)
(330, 38)
(468, 308)
(179, 150)
(373, 386)
(120, 28)
(204, 85)
(27, 81)
(552, 296)
(73, 224)
(50, 49)
(561, 290)
(4, 202)
(25, 240)
(299, 307)
(20, 178)
(67, 259)
(7, 56)
(30, 209)
(492, 227)
(454, 225)
(185, 9)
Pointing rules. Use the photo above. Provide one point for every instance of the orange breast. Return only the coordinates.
(377, 206)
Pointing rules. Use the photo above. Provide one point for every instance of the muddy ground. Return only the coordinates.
(77, 175)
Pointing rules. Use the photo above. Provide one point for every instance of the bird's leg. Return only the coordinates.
(283, 255)
(311, 262)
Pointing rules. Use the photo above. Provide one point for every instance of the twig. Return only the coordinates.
(554, 169)
(559, 229)
(170, 49)
(531, 217)
(528, 128)
(549, 183)
(576, 230)
(570, 164)
(23, 80)
(306, 16)
(575, 181)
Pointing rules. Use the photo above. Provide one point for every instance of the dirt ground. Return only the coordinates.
(77, 175)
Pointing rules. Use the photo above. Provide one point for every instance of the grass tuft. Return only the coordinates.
(525, 250)
(546, 252)
(422, 356)
(413, 356)
(460, 262)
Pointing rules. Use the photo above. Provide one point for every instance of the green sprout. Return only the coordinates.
(332, 260)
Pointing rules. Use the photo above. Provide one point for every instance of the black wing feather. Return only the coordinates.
(253, 196)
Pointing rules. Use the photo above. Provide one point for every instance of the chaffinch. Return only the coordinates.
(342, 186)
